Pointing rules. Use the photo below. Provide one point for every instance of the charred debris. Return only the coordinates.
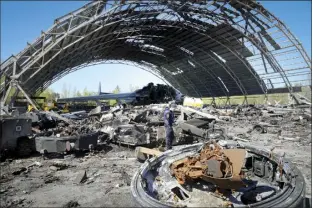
(144, 125)
(219, 174)
(212, 161)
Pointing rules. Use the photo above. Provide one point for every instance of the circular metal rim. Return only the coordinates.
(290, 197)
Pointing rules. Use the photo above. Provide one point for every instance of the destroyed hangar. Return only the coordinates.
(200, 49)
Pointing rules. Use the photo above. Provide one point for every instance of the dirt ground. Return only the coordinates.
(54, 182)
(108, 181)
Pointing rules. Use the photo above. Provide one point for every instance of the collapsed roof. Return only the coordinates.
(202, 48)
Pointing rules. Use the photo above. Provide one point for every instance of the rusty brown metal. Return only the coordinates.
(221, 167)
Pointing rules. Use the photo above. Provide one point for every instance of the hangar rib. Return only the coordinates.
(202, 48)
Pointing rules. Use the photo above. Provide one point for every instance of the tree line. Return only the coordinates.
(67, 91)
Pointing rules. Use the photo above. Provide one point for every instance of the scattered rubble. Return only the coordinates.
(71, 204)
(109, 137)
(81, 177)
(218, 174)
(126, 178)
(19, 171)
(50, 178)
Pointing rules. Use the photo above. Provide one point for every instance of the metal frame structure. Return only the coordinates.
(203, 48)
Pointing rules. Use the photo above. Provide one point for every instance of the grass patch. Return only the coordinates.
(282, 98)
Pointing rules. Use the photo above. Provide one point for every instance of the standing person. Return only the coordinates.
(168, 123)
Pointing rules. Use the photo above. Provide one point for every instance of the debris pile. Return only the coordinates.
(144, 125)
(218, 173)
(215, 168)
(213, 165)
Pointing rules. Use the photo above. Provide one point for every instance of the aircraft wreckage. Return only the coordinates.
(218, 174)
(147, 95)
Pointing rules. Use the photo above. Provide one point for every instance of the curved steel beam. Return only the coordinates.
(135, 18)
(225, 66)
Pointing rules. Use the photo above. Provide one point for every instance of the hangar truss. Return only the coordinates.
(203, 48)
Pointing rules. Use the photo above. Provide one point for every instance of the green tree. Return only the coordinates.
(78, 94)
(117, 90)
(85, 92)
(49, 94)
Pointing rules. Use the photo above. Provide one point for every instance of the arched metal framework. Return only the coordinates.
(203, 48)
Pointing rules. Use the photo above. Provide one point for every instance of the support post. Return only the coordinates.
(14, 67)
(13, 98)
(27, 97)
(245, 101)
(213, 102)
(293, 97)
(265, 98)
(227, 101)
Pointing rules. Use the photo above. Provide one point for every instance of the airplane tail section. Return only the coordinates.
(99, 89)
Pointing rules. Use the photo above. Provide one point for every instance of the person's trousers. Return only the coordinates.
(169, 137)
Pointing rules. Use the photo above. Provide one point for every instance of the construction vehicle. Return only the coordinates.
(65, 108)
(50, 106)
(30, 108)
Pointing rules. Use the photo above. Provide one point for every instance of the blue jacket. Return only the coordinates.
(168, 118)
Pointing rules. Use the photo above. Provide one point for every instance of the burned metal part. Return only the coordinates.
(193, 130)
(133, 134)
(214, 165)
(199, 122)
(78, 115)
(258, 128)
(202, 114)
(259, 168)
(95, 111)
(144, 125)
(190, 125)
(125, 125)
(59, 117)
(154, 186)
(16, 136)
(56, 144)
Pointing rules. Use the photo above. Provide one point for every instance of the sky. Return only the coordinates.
(23, 21)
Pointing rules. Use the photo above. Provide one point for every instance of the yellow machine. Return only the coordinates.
(65, 108)
(193, 102)
(50, 106)
(30, 108)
